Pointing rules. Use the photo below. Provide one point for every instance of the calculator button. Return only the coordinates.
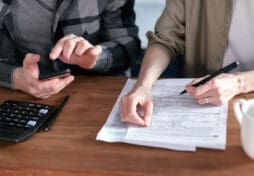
(8, 119)
(31, 123)
(8, 110)
(22, 121)
(27, 108)
(38, 106)
(20, 108)
(19, 125)
(43, 111)
(31, 105)
(35, 118)
(15, 120)
(3, 114)
(27, 117)
(10, 104)
(12, 124)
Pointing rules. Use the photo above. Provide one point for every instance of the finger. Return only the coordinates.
(199, 91)
(206, 100)
(210, 93)
(148, 109)
(50, 87)
(190, 84)
(42, 95)
(30, 65)
(213, 92)
(220, 100)
(62, 84)
(136, 120)
(131, 116)
(215, 88)
(82, 47)
(95, 51)
(69, 47)
(211, 100)
(134, 117)
(58, 48)
(45, 87)
(30, 60)
(85, 61)
(89, 58)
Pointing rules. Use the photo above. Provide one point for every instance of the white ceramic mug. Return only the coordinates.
(244, 112)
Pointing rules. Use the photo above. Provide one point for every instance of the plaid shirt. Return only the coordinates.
(109, 23)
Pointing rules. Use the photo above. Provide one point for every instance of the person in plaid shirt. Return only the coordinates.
(96, 36)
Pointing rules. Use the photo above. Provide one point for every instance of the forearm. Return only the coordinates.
(154, 63)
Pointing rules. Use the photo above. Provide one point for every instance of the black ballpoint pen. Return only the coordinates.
(53, 118)
(214, 74)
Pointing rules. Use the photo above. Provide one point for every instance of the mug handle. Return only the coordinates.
(238, 109)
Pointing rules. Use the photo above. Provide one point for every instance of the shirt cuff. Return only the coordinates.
(104, 61)
(6, 74)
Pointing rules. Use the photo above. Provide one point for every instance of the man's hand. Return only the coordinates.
(217, 91)
(130, 103)
(26, 79)
(75, 50)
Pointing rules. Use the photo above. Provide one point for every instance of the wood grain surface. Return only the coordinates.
(70, 148)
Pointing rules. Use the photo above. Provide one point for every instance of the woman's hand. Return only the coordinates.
(217, 91)
(132, 102)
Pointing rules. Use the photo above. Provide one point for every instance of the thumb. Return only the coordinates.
(30, 60)
(30, 64)
(95, 51)
(148, 109)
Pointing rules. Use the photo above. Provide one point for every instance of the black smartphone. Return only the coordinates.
(52, 70)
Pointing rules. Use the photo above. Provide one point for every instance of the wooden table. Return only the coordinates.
(70, 148)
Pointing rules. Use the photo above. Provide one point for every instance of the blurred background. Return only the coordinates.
(147, 13)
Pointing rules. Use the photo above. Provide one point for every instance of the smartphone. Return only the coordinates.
(57, 74)
(52, 70)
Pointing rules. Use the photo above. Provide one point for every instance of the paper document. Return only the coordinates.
(178, 122)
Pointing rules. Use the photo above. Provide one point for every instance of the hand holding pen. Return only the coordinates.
(219, 90)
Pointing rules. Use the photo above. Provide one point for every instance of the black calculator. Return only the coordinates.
(20, 120)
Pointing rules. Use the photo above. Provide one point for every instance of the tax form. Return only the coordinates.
(177, 123)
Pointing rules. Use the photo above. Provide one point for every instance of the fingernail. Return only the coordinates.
(53, 56)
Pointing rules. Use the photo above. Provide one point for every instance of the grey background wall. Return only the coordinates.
(147, 13)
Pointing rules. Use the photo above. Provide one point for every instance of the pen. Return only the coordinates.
(58, 109)
(214, 74)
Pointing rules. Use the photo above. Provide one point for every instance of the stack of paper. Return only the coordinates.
(178, 122)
